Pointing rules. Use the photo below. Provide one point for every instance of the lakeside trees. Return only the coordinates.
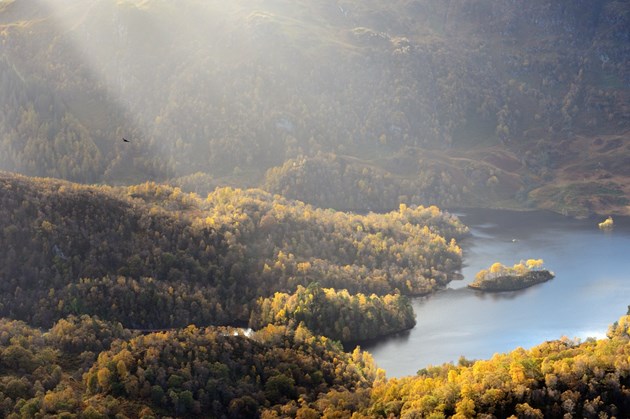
(210, 240)
(554, 379)
(284, 372)
(152, 256)
(103, 370)
(336, 314)
(503, 278)
(497, 269)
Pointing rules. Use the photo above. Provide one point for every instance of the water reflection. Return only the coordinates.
(399, 338)
(590, 291)
(502, 295)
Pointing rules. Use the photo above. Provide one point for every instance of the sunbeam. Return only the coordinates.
(206, 205)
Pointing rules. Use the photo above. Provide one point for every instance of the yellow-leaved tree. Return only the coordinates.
(534, 264)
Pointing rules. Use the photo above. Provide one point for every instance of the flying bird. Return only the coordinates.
(126, 140)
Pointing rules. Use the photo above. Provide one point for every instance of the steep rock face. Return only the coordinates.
(512, 282)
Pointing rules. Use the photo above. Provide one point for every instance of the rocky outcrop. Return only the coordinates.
(512, 282)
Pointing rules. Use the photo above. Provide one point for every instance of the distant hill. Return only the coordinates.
(534, 96)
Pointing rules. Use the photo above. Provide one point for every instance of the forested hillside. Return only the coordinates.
(562, 378)
(107, 371)
(151, 256)
(104, 370)
(97, 266)
(488, 103)
(103, 267)
(336, 314)
(173, 172)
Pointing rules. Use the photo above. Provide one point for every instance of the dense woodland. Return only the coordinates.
(336, 314)
(163, 259)
(562, 378)
(411, 177)
(89, 368)
(507, 96)
(151, 256)
(126, 294)
(102, 370)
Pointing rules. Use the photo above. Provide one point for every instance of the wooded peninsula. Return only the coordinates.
(99, 263)
(203, 202)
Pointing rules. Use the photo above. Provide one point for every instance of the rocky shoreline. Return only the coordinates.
(512, 282)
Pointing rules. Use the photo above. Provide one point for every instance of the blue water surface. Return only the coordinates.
(590, 291)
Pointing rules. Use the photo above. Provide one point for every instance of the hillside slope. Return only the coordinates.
(279, 372)
(103, 370)
(151, 256)
(234, 89)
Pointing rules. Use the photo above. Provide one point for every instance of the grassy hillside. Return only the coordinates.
(231, 90)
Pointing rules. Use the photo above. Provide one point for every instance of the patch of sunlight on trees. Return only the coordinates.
(497, 269)
(607, 224)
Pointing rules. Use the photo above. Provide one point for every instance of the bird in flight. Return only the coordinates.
(126, 140)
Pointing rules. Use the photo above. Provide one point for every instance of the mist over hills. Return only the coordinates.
(533, 95)
(246, 120)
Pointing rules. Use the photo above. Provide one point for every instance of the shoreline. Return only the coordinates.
(506, 283)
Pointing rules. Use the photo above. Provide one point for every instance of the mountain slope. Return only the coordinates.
(103, 370)
(234, 89)
(279, 372)
(151, 256)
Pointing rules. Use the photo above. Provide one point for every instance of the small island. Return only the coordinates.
(607, 224)
(522, 275)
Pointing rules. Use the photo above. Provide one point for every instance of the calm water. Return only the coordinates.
(590, 291)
